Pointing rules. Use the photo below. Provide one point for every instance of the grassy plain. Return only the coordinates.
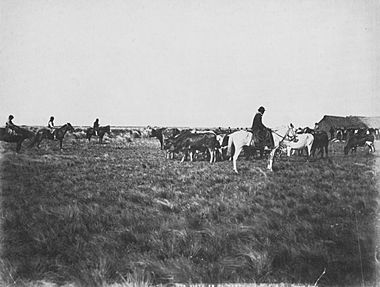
(120, 212)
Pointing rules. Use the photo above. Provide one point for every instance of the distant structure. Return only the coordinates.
(340, 126)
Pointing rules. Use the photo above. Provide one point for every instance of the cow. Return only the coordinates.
(171, 143)
(223, 143)
(355, 141)
(163, 134)
(189, 143)
(321, 142)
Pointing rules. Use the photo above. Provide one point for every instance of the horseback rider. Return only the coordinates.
(51, 127)
(316, 128)
(259, 130)
(96, 127)
(10, 126)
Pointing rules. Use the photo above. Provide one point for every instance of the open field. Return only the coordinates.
(101, 214)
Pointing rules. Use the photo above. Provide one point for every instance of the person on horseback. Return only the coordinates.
(10, 126)
(96, 127)
(259, 130)
(316, 127)
(52, 127)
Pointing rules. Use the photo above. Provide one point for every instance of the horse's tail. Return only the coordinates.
(230, 146)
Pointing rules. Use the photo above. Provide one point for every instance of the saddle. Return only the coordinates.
(261, 139)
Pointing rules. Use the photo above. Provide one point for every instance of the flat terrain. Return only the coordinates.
(96, 214)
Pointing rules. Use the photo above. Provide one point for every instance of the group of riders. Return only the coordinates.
(260, 131)
(14, 130)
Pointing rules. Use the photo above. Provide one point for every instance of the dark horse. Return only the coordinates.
(101, 132)
(321, 142)
(18, 138)
(45, 133)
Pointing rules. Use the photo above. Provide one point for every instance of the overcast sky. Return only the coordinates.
(188, 62)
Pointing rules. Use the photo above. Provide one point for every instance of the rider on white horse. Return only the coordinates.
(259, 130)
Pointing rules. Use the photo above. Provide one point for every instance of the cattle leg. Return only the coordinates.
(191, 156)
(212, 155)
(308, 153)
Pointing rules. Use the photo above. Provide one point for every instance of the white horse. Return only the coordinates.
(238, 140)
(287, 139)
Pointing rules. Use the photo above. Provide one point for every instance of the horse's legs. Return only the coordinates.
(235, 157)
(308, 153)
(271, 157)
(288, 151)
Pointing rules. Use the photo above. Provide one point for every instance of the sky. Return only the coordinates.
(193, 63)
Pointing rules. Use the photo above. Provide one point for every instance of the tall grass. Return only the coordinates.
(120, 213)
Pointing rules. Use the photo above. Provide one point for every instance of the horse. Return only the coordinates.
(287, 139)
(19, 137)
(321, 142)
(45, 133)
(101, 132)
(240, 139)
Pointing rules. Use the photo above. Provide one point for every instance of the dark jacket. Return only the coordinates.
(257, 124)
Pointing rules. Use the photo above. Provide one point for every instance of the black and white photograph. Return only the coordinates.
(190, 143)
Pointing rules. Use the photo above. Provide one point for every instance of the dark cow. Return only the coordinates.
(171, 143)
(163, 134)
(356, 140)
(188, 143)
(321, 142)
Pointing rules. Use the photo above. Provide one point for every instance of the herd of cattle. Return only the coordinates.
(214, 143)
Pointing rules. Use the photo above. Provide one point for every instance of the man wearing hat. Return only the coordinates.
(258, 128)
